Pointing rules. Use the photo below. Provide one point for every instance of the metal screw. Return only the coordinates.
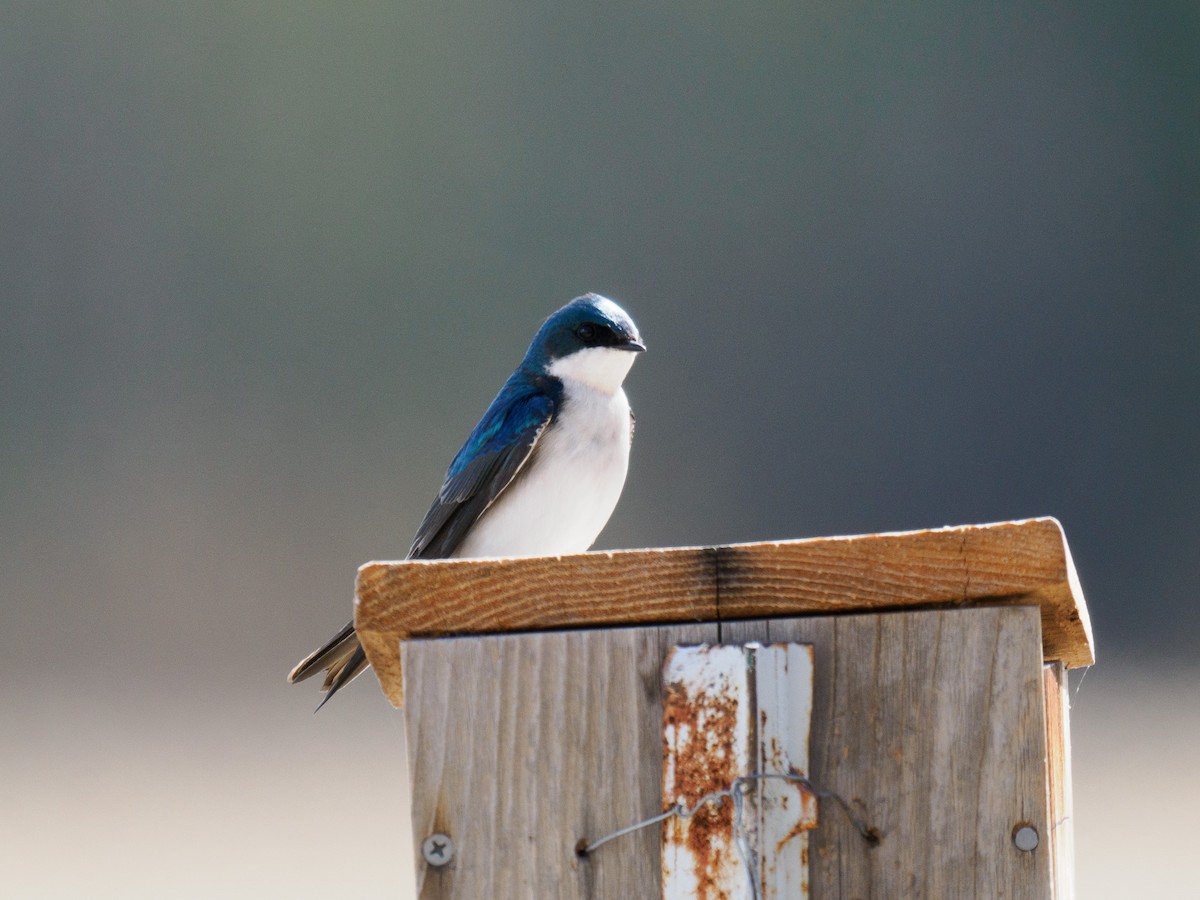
(1025, 837)
(437, 849)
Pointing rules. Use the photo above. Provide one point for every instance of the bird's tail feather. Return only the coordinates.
(342, 658)
(344, 671)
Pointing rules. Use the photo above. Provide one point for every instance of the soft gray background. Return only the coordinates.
(263, 264)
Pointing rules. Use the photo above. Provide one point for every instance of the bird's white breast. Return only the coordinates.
(563, 496)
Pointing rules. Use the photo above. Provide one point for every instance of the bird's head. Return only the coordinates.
(590, 340)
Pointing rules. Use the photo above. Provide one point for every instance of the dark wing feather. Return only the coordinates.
(494, 453)
(499, 446)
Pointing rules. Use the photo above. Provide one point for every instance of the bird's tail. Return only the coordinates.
(342, 658)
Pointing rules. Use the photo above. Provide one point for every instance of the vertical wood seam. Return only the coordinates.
(986, 740)
(932, 673)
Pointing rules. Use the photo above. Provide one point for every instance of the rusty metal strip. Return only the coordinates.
(730, 714)
(788, 809)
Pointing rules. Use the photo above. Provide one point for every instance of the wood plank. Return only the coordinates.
(1058, 781)
(930, 723)
(1024, 563)
(521, 745)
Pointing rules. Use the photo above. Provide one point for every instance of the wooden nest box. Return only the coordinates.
(876, 716)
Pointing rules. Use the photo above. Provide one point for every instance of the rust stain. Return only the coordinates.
(714, 733)
(704, 728)
(775, 758)
(807, 820)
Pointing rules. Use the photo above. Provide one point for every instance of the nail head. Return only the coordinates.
(1025, 837)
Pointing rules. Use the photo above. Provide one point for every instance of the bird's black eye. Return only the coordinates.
(586, 332)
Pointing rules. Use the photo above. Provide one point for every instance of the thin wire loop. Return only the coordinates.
(734, 792)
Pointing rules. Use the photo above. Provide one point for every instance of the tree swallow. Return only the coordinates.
(541, 472)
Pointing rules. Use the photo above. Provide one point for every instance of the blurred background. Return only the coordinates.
(262, 266)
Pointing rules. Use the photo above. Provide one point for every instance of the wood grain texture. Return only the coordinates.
(521, 745)
(1023, 563)
(1058, 781)
(930, 722)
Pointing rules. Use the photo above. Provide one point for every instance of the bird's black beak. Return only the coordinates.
(631, 345)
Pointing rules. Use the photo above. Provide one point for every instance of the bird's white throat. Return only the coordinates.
(600, 368)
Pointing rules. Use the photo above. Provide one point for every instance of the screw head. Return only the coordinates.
(437, 849)
(1025, 837)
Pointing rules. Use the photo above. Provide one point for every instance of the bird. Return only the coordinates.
(541, 472)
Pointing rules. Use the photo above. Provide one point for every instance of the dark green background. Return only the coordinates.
(263, 265)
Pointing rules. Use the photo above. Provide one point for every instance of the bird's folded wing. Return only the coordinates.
(493, 455)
